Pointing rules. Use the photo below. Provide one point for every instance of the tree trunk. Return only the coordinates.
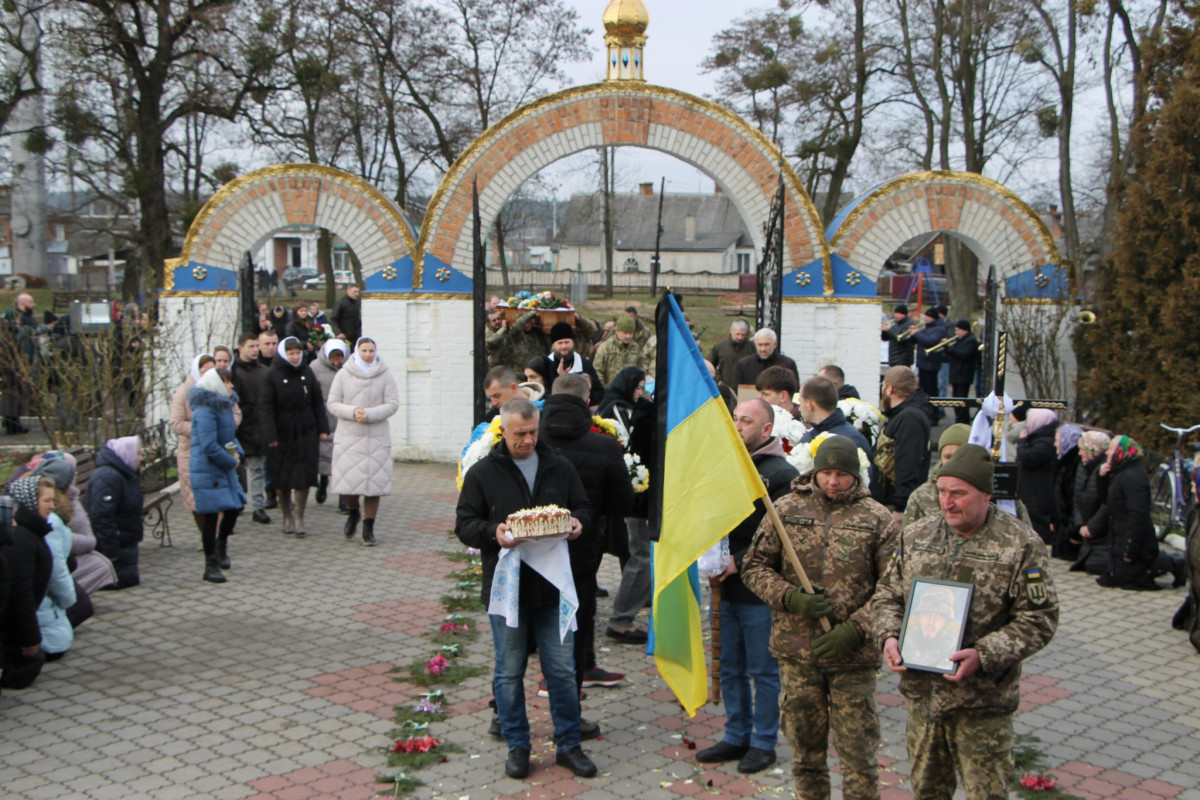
(325, 263)
(606, 184)
(961, 267)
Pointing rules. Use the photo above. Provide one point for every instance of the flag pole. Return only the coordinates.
(791, 553)
(715, 692)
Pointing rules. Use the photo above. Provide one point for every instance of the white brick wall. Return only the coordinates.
(188, 326)
(427, 346)
(846, 334)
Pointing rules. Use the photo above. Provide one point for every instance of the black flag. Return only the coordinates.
(479, 285)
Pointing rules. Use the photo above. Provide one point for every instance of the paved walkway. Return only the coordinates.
(277, 685)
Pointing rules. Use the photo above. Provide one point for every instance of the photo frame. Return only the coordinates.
(934, 623)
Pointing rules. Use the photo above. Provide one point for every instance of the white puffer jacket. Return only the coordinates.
(362, 451)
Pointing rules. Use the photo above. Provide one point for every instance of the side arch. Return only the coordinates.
(252, 206)
(739, 158)
(998, 226)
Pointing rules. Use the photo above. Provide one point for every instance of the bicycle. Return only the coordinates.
(1171, 488)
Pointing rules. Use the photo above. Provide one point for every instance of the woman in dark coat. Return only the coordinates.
(1135, 561)
(300, 327)
(29, 565)
(1090, 514)
(215, 457)
(293, 422)
(1037, 456)
(114, 505)
(1066, 533)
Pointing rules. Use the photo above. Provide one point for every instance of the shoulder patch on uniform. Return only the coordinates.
(1035, 586)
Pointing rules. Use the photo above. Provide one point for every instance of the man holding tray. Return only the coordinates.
(962, 721)
(535, 590)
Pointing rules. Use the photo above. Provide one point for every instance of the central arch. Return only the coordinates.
(739, 158)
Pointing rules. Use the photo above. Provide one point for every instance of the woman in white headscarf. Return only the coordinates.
(330, 359)
(363, 397)
(181, 423)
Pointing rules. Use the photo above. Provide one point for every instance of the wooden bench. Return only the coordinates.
(158, 488)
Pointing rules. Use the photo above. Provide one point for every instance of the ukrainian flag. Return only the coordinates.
(708, 486)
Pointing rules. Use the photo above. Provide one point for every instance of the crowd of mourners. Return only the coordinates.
(257, 427)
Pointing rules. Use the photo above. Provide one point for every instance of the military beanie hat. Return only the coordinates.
(626, 324)
(959, 433)
(972, 464)
(837, 452)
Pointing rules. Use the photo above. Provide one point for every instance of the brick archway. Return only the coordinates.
(996, 224)
(742, 162)
(252, 206)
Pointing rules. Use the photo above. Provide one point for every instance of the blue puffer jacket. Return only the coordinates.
(114, 506)
(57, 633)
(214, 471)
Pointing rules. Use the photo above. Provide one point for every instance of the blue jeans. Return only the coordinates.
(745, 656)
(558, 668)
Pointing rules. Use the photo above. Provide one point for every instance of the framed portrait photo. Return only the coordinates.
(934, 622)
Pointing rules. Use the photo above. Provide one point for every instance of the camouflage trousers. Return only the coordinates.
(812, 702)
(978, 746)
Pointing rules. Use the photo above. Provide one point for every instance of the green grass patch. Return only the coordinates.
(399, 785)
(453, 603)
(414, 761)
(407, 716)
(457, 555)
(451, 675)
(460, 637)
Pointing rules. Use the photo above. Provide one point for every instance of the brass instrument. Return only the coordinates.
(908, 334)
(949, 340)
(1087, 317)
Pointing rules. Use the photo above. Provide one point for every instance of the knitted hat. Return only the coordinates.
(972, 464)
(57, 470)
(626, 324)
(837, 452)
(963, 325)
(932, 313)
(959, 433)
(24, 491)
(561, 330)
(900, 309)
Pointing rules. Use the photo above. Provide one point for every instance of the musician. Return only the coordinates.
(963, 357)
(928, 363)
(898, 334)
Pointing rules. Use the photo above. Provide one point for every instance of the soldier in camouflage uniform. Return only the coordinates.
(963, 722)
(924, 500)
(513, 346)
(844, 540)
(618, 351)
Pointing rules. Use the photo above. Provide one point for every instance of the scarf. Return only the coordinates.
(364, 367)
(1126, 451)
(1094, 442)
(1038, 418)
(213, 382)
(1068, 438)
(126, 449)
(195, 370)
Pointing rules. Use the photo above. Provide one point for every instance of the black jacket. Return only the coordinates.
(908, 427)
(837, 424)
(1129, 515)
(494, 488)
(114, 504)
(1038, 459)
(291, 413)
(1091, 499)
(925, 338)
(597, 391)
(777, 473)
(750, 367)
(566, 425)
(280, 324)
(29, 564)
(964, 359)
(346, 319)
(899, 352)
(251, 374)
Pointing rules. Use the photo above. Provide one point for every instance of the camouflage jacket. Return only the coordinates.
(514, 347)
(924, 501)
(844, 546)
(613, 356)
(1013, 612)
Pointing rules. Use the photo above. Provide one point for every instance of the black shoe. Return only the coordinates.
(494, 726)
(721, 751)
(601, 591)
(212, 573)
(351, 524)
(588, 730)
(627, 636)
(322, 488)
(223, 555)
(756, 760)
(576, 761)
(1179, 570)
(368, 533)
(272, 501)
(517, 765)
(260, 517)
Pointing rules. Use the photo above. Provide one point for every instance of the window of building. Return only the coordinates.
(743, 263)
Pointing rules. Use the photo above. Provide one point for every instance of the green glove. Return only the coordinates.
(809, 606)
(840, 642)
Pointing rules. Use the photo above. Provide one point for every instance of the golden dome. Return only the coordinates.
(626, 17)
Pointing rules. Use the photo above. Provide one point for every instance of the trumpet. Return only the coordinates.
(949, 340)
(1087, 317)
(908, 334)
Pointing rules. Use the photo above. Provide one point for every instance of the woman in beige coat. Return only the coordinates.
(363, 396)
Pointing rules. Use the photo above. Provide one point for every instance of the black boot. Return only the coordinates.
(351, 523)
(369, 532)
(223, 553)
(322, 488)
(212, 572)
(1179, 571)
(342, 507)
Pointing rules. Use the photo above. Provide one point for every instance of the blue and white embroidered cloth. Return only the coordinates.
(549, 558)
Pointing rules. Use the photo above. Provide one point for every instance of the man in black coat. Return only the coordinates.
(566, 425)
(268, 346)
(726, 353)
(564, 360)
(836, 374)
(766, 345)
(902, 452)
(346, 318)
(751, 727)
(963, 356)
(521, 473)
(248, 375)
(900, 350)
(929, 364)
